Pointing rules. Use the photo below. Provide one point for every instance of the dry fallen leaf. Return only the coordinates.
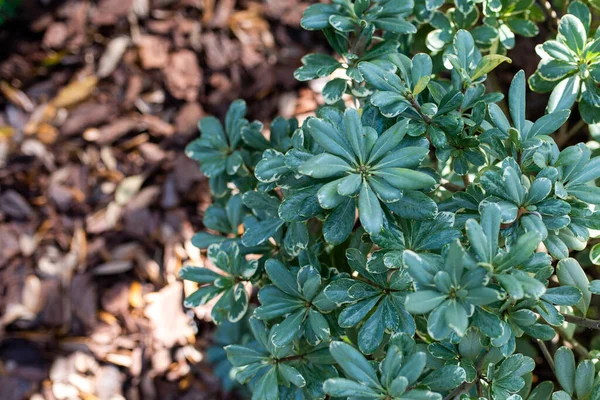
(113, 267)
(128, 188)
(112, 56)
(170, 323)
(16, 96)
(75, 92)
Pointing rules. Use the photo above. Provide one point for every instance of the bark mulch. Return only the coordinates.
(98, 202)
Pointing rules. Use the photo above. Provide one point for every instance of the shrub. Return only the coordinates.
(414, 244)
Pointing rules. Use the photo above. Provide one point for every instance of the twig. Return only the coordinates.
(466, 386)
(417, 108)
(585, 322)
(460, 390)
(466, 180)
(546, 353)
(451, 186)
(552, 14)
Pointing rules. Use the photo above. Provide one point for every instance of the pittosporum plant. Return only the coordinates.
(418, 237)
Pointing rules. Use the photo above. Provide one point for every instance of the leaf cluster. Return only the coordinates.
(416, 244)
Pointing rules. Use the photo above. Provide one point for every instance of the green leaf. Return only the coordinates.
(329, 137)
(554, 70)
(584, 378)
(334, 90)
(388, 140)
(406, 179)
(445, 378)
(569, 272)
(564, 363)
(581, 11)
(260, 232)
(296, 238)
(196, 274)
(572, 32)
(283, 333)
(361, 6)
(340, 387)
(282, 277)
(487, 64)
(324, 165)
(595, 254)
(291, 374)
(240, 355)
(563, 295)
(498, 118)
(266, 387)
(369, 210)
(355, 135)
(395, 25)
(523, 27)
(457, 318)
(543, 391)
(338, 224)
(316, 66)
(380, 79)
(414, 205)
(549, 123)
(316, 17)
(341, 23)
(423, 301)
(354, 364)
(595, 286)
(564, 94)
(300, 205)
(516, 100)
(371, 332)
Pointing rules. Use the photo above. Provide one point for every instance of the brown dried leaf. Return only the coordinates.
(128, 188)
(16, 96)
(75, 92)
(170, 323)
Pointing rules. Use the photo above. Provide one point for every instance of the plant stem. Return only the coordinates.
(553, 16)
(417, 107)
(546, 353)
(581, 321)
(466, 386)
(466, 180)
(451, 187)
(460, 390)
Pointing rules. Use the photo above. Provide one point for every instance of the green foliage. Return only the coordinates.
(8, 9)
(570, 65)
(409, 246)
